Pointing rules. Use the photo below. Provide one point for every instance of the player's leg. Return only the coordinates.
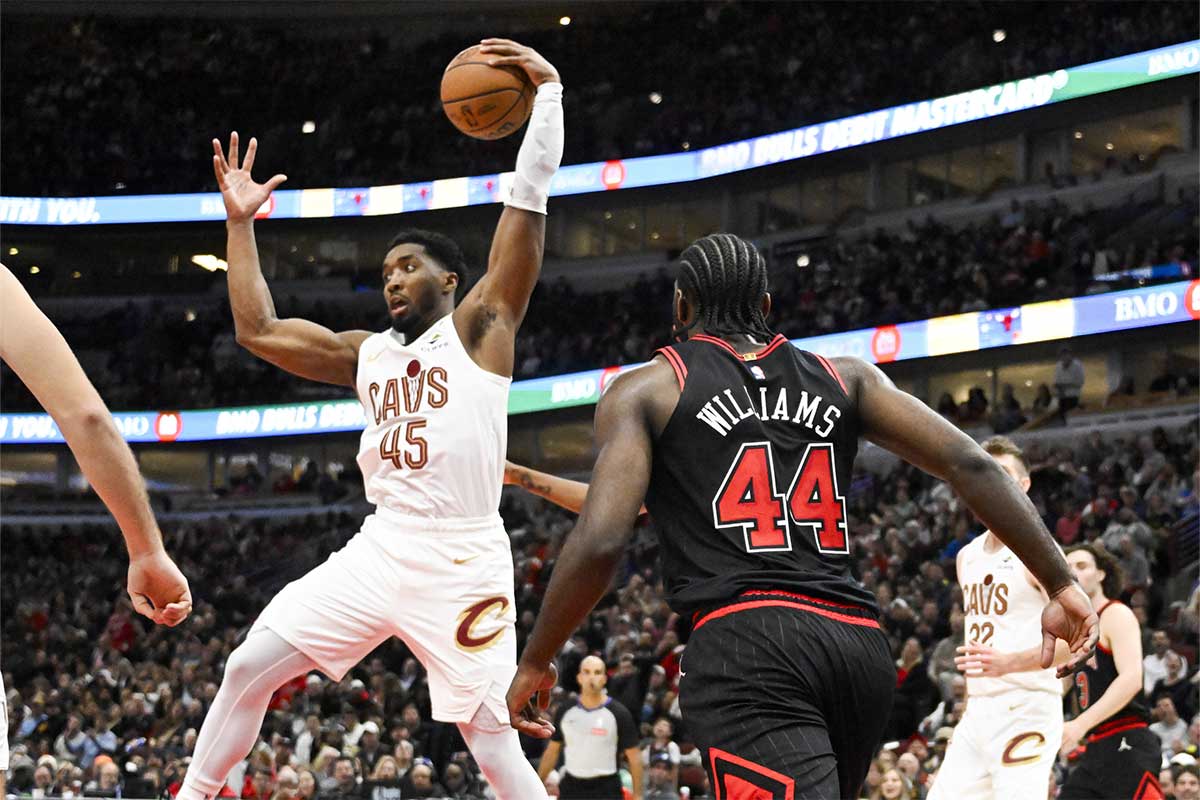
(749, 701)
(328, 620)
(857, 679)
(497, 750)
(262, 664)
(1123, 766)
(1026, 732)
(964, 770)
(462, 628)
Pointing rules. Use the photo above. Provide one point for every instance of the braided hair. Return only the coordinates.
(728, 278)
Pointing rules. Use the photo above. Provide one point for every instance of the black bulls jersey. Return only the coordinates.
(1094, 678)
(748, 484)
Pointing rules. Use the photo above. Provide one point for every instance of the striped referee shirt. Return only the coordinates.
(592, 737)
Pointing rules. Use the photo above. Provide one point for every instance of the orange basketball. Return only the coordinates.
(483, 101)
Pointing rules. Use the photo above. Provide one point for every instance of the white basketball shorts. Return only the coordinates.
(444, 587)
(1003, 748)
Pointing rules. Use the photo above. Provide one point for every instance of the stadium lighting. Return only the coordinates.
(1109, 146)
(802, 260)
(76, 274)
(999, 35)
(308, 127)
(564, 21)
(655, 98)
(190, 315)
(210, 262)
(1078, 134)
(35, 269)
(686, 145)
(12, 251)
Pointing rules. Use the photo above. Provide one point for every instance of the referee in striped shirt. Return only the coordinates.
(591, 735)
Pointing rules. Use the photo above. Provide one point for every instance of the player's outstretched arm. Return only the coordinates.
(563, 492)
(491, 313)
(1125, 636)
(298, 346)
(37, 352)
(904, 425)
(594, 548)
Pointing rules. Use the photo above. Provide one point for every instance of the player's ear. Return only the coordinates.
(450, 282)
(766, 305)
(1026, 483)
(685, 311)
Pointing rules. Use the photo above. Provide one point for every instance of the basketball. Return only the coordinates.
(483, 101)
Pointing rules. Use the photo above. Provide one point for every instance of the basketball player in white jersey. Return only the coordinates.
(433, 564)
(1006, 743)
(42, 359)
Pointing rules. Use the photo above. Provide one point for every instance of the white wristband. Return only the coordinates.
(541, 151)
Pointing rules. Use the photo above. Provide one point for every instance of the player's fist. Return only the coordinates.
(529, 696)
(1069, 616)
(158, 589)
(506, 52)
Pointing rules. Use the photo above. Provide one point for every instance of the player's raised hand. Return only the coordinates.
(1069, 616)
(243, 197)
(529, 696)
(158, 589)
(506, 52)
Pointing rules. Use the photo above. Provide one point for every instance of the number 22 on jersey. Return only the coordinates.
(750, 500)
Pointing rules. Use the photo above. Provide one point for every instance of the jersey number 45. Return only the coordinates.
(749, 499)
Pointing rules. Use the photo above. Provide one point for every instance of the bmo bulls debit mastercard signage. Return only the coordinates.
(961, 333)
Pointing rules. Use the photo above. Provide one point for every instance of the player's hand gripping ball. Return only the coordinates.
(485, 101)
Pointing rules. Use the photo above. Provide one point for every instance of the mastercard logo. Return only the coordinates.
(1191, 299)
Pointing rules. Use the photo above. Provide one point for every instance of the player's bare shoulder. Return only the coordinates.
(650, 391)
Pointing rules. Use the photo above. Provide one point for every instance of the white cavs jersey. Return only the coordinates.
(1004, 611)
(437, 426)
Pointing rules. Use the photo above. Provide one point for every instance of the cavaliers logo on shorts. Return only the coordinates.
(481, 615)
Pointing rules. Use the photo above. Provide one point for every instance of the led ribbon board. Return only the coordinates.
(961, 333)
(826, 137)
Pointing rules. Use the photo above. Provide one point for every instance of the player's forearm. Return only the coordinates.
(1031, 660)
(560, 491)
(1119, 693)
(108, 464)
(582, 575)
(249, 295)
(635, 772)
(548, 762)
(998, 501)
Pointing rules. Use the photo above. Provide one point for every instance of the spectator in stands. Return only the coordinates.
(1155, 664)
(1169, 728)
(660, 744)
(108, 779)
(424, 782)
(1187, 782)
(384, 781)
(660, 785)
(345, 778)
(1068, 381)
(1175, 684)
(306, 784)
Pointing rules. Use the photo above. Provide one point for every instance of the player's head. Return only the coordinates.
(1096, 569)
(721, 288)
(424, 273)
(1010, 457)
(593, 675)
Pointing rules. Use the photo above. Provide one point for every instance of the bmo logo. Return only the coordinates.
(1191, 299)
(572, 391)
(613, 175)
(885, 344)
(168, 425)
(1147, 306)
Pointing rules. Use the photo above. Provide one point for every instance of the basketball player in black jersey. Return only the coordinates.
(1122, 757)
(742, 447)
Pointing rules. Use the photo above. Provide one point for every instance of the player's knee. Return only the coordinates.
(241, 668)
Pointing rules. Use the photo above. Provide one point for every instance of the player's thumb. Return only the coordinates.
(1048, 640)
(273, 184)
